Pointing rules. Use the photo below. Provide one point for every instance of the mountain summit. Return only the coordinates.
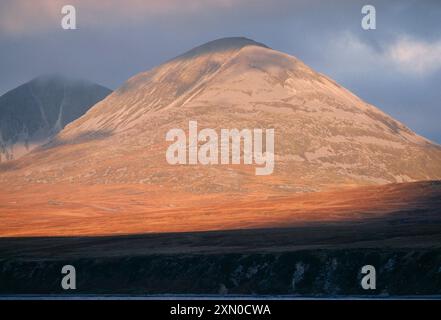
(34, 112)
(223, 44)
(325, 136)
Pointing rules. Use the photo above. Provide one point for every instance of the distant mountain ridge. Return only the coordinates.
(36, 111)
(325, 136)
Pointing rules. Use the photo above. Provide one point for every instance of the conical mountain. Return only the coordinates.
(34, 112)
(325, 136)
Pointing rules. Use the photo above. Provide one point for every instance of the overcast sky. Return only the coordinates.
(396, 67)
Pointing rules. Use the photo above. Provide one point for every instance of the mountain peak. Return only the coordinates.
(32, 113)
(49, 76)
(325, 135)
(223, 44)
(58, 79)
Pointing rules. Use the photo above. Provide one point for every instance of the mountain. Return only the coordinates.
(325, 136)
(36, 111)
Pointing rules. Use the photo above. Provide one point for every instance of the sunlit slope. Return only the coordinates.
(324, 135)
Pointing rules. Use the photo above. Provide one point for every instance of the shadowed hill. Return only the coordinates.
(31, 114)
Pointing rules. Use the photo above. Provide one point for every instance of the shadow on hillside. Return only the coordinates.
(266, 258)
(83, 137)
(401, 229)
(55, 142)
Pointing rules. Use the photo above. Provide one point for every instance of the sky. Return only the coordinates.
(396, 67)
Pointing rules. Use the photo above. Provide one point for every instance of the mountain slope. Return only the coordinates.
(324, 135)
(37, 110)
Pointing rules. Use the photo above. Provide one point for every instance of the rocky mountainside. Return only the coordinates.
(36, 111)
(325, 136)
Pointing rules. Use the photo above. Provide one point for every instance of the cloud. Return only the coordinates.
(406, 55)
(24, 17)
(377, 70)
(415, 56)
(348, 53)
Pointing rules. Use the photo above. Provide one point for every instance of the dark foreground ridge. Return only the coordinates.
(314, 260)
(310, 273)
